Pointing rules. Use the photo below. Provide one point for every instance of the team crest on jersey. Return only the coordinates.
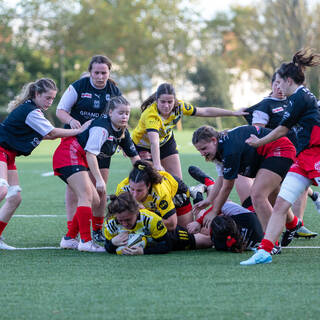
(163, 204)
(160, 225)
(96, 104)
(107, 96)
(86, 95)
(317, 166)
(276, 110)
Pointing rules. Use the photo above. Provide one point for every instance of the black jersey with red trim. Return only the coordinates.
(15, 134)
(302, 115)
(113, 138)
(91, 102)
(271, 111)
(236, 155)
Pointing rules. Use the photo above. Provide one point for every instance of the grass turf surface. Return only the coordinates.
(200, 284)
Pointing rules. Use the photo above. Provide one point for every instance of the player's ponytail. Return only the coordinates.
(144, 171)
(226, 236)
(295, 69)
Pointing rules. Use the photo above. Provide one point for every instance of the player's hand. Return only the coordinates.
(75, 124)
(159, 167)
(253, 141)
(200, 205)
(208, 219)
(133, 251)
(101, 186)
(193, 227)
(121, 239)
(240, 112)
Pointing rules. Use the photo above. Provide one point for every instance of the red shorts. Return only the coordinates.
(308, 164)
(281, 147)
(9, 158)
(69, 153)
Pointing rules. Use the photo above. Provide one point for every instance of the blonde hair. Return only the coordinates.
(29, 92)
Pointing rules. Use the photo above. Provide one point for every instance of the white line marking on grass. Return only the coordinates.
(302, 247)
(38, 215)
(39, 248)
(58, 248)
(47, 174)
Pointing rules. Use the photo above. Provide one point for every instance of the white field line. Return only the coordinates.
(38, 248)
(47, 174)
(58, 248)
(39, 215)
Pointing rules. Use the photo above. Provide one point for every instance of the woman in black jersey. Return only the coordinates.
(233, 156)
(87, 99)
(76, 155)
(268, 113)
(20, 133)
(302, 113)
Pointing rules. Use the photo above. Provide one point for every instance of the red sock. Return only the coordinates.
(2, 226)
(84, 215)
(266, 245)
(97, 223)
(208, 182)
(291, 225)
(73, 227)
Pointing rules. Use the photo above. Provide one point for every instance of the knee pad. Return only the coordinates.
(13, 191)
(292, 186)
(4, 183)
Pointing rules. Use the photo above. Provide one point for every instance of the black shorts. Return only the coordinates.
(104, 163)
(168, 149)
(66, 172)
(181, 240)
(277, 165)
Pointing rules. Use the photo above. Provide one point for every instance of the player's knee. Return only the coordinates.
(13, 196)
(257, 197)
(4, 186)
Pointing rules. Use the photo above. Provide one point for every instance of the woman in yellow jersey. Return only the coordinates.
(133, 231)
(153, 135)
(160, 192)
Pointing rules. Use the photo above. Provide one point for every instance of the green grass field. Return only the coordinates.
(200, 284)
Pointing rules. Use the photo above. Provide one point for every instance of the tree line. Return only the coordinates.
(152, 40)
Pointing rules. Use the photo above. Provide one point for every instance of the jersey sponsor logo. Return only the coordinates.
(317, 166)
(163, 204)
(96, 104)
(276, 110)
(35, 142)
(160, 225)
(286, 115)
(86, 95)
(187, 106)
(89, 115)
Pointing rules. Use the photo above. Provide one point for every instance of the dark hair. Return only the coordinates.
(164, 88)
(104, 60)
(204, 133)
(295, 69)
(144, 171)
(225, 234)
(29, 91)
(124, 202)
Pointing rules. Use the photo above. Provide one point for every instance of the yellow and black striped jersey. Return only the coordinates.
(160, 197)
(151, 120)
(148, 224)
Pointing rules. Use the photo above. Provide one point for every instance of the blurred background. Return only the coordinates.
(215, 53)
